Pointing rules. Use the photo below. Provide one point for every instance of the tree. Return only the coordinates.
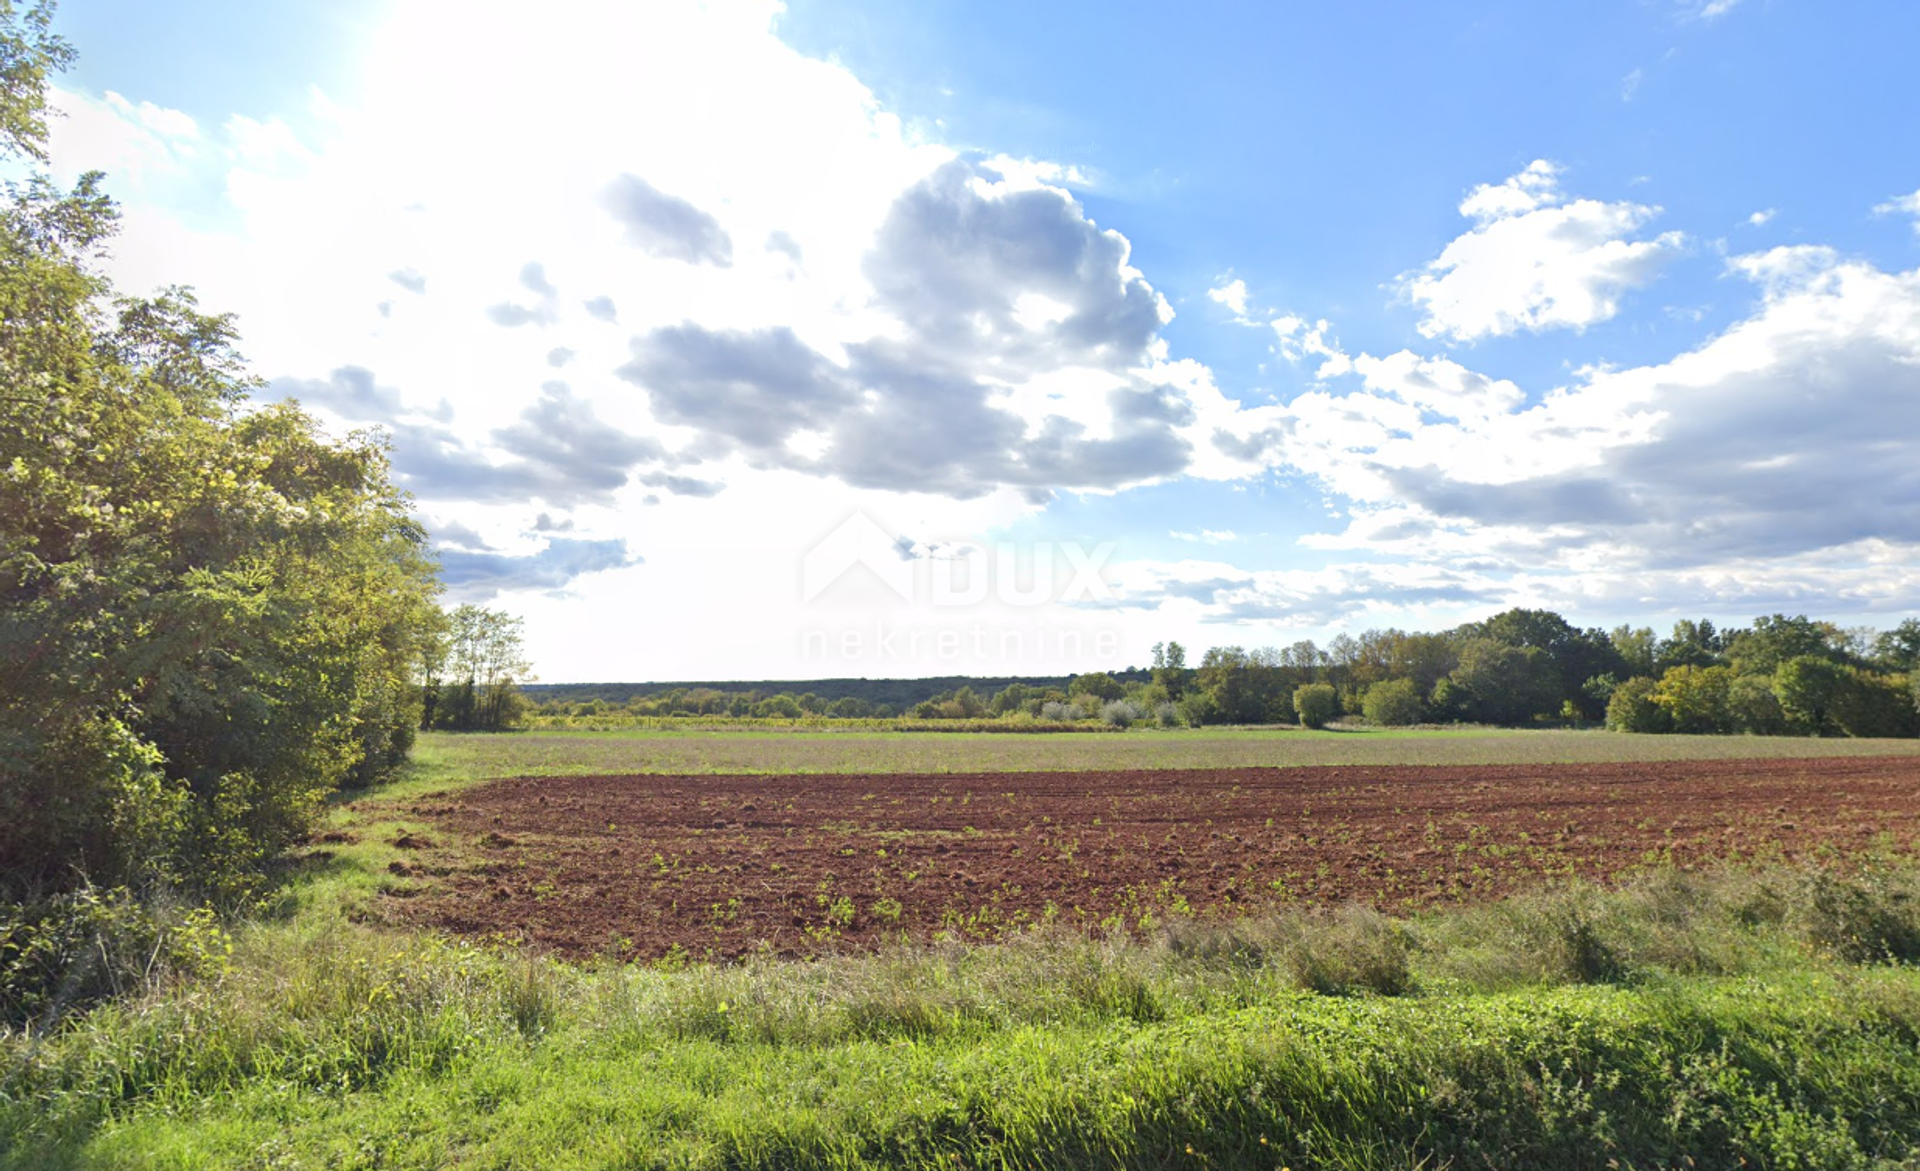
(1638, 648)
(1807, 687)
(1317, 704)
(1170, 668)
(1098, 684)
(1631, 708)
(1573, 655)
(1753, 706)
(1696, 699)
(1503, 683)
(1393, 703)
(1692, 644)
(485, 664)
(1771, 641)
(212, 611)
(1899, 649)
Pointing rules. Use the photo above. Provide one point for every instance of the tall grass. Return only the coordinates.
(1767, 1014)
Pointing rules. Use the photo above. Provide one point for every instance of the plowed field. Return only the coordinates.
(723, 866)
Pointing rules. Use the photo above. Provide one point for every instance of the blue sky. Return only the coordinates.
(1295, 319)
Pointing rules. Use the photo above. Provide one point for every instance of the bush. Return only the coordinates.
(1316, 703)
(1393, 704)
(77, 948)
(1062, 712)
(1632, 708)
(1695, 699)
(1119, 713)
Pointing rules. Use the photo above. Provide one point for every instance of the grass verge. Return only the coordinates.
(1770, 1016)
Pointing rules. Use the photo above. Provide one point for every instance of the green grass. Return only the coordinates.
(1742, 1016)
(449, 756)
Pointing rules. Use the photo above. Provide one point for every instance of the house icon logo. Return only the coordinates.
(858, 540)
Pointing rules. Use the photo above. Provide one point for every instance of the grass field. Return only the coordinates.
(449, 757)
(1749, 1017)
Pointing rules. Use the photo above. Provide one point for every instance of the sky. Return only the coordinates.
(849, 338)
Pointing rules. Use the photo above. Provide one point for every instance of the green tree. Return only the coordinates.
(1899, 649)
(1807, 687)
(1638, 648)
(1392, 703)
(1170, 668)
(1573, 655)
(213, 611)
(1098, 684)
(485, 663)
(1500, 683)
(1771, 641)
(1692, 644)
(1754, 708)
(1316, 704)
(1696, 699)
(1631, 708)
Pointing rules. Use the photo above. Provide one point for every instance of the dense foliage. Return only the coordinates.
(211, 611)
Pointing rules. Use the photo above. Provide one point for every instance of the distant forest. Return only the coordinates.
(900, 695)
(1781, 675)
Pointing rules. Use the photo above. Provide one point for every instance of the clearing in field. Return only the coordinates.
(724, 866)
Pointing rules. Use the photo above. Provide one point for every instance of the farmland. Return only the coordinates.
(614, 753)
(724, 866)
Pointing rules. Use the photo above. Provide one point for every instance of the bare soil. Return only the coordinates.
(724, 866)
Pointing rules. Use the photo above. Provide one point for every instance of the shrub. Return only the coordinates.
(1062, 712)
(1316, 703)
(1394, 703)
(1695, 698)
(1119, 713)
(1632, 708)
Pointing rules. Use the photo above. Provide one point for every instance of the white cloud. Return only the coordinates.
(1763, 216)
(1786, 442)
(1630, 85)
(1908, 205)
(1536, 260)
(1709, 9)
(1206, 536)
(1232, 294)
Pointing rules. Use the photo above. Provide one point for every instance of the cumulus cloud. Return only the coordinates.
(408, 279)
(1786, 437)
(1232, 294)
(666, 225)
(1019, 360)
(1536, 260)
(601, 309)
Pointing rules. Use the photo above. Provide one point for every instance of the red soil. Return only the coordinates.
(722, 866)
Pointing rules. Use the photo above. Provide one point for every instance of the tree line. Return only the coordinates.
(1780, 675)
(211, 612)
